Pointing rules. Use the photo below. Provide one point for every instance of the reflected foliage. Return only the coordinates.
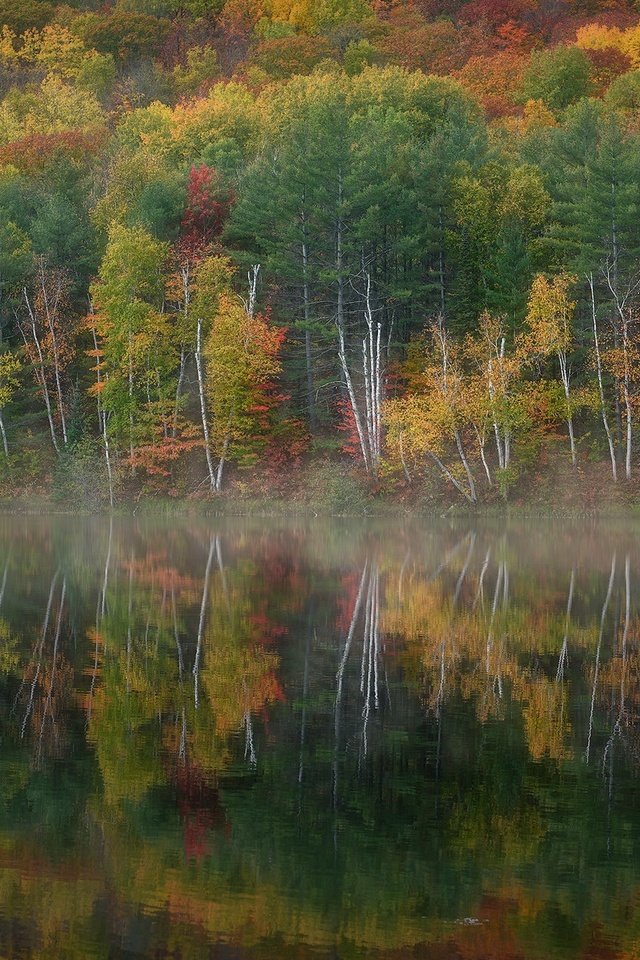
(318, 740)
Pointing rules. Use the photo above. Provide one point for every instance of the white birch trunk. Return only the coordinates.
(54, 343)
(447, 473)
(5, 446)
(564, 373)
(203, 613)
(352, 400)
(467, 469)
(203, 408)
(39, 370)
(603, 407)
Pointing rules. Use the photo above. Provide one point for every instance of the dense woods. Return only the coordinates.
(274, 246)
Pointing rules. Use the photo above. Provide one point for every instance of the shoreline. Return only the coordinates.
(275, 509)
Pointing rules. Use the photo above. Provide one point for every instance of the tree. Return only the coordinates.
(549, 319)
(27, 15)
(290, 56)
(243, 358)
(624, 92)
(9, 369)
(203, 281)
(496, 389)
(495, 80)
(558, 77)
(319, 14)
(591, 170)
(137, 389)
(123, 34)
(432, 415)
(48, 332)
(200, 70)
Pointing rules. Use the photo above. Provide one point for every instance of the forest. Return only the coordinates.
(339, 249)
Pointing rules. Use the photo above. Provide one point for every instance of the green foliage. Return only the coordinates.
(80, 477)
(332, 172)
(201, 69)
(624, 92)
(336, 490)
(97, 75)
(25, 14)
(359, 55)
(16, 258)
(123, 35)
(558, 77)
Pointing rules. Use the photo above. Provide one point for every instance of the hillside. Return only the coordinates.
(268, 248)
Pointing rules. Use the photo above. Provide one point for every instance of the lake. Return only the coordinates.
(248, 740)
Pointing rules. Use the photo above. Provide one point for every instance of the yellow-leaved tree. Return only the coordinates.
(430, 419)
(242, 356)
(550, 322)
(9, 369)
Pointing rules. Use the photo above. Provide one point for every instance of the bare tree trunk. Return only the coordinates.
(447, 473)
(311, 405)
(564, 373)
(373, 387)
(621, 301)
(467, 469)
(369, 422)
(4, 436)
(221, 463)
(54, 344)
(253, 275)
(133, 469)
(605, 607)
(562, 660)
(352, 400)
(183, 363)
(603, 408)
(496, 428)
(39, 369)
(481, 446)
(203, 408)
(628, 412)
(102, 418)
(203, 613)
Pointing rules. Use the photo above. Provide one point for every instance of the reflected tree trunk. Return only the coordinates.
(603, 615)
(203, 613)
(40, 647)
(564, 656)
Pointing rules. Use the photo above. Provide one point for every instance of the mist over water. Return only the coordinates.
(245, 739)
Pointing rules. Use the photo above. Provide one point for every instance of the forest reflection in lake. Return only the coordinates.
(241, 739)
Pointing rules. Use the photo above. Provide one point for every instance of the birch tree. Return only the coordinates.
(430, 420)
(136, 339)
(242, 355)
(366, 410)
(201, 288)
(48, 333)
(549, 318)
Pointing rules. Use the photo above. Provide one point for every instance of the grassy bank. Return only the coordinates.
(337, 488)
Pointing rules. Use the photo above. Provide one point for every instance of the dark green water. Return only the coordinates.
(245, 740)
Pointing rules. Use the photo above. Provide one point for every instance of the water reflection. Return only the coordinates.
(243, 739)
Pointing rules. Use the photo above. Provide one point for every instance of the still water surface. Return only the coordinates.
(239, 740)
